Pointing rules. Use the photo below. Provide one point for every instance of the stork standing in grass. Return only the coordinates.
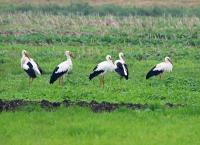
(102, 68)
(160, 68)
(62, 69)
(30, 66)
(121, 67)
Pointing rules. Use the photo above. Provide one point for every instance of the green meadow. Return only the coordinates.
(144, 35)
(81, 126)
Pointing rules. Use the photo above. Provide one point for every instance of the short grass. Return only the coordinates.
(180, 86)
(77, 126)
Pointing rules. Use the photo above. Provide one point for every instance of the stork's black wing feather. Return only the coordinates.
(95, 68)
(41, 71)
(55, 75)
(30, 71)
(95, 73)
(125, 65)
(153, 72)
(120, 70)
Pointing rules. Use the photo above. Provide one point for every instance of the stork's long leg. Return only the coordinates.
(29, 81)
(160, 76)
(32, 80)
(59, 81)
(100, 81)
(103, 80)
(62, 80)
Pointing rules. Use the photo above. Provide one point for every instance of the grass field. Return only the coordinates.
(145, 39)
(80, 126)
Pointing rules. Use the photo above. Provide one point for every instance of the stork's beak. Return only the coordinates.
(170, 61)
(71, 55)
(27, 55)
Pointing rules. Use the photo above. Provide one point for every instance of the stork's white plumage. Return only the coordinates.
(121, 67)
(30, 66)
(102, 68)
(62, 69)
(160, 68)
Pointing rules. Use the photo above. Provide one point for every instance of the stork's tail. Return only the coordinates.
(52, 79)
(126, 77)
(41, 71)
(94, 74)
(153, 72)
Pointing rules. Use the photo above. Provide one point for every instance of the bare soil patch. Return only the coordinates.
(95, 106)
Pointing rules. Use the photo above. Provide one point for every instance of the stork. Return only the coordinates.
(102, 68)
(30, 66)
(62, 69)
(160, 68)
(121, 67)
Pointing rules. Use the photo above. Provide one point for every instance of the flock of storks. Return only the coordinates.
(119, 66)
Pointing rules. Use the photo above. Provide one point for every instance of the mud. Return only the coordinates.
(49, 105)
(95, 106)
(11, 105)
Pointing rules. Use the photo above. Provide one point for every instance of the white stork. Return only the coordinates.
(102, 68)
(30, 66)
(121, 67)
(160, 68)
(62, 69)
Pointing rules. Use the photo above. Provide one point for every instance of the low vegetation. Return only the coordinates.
(95, 30)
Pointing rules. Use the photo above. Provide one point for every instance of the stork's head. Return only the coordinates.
(167, 59)
(109, 58)
(69, 54)
(121, 55)
(24, 52)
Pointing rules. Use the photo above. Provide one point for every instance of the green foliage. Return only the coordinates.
(103, 10)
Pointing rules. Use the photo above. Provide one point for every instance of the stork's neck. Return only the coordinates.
(25, 56)
(69, 58)
(167, 61)
(110, 61)
(121, 58)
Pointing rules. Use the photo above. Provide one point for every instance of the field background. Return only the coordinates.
(146, 31)
(138, 3)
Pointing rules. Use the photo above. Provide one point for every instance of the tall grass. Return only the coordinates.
(103, 10)
(29, 27)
